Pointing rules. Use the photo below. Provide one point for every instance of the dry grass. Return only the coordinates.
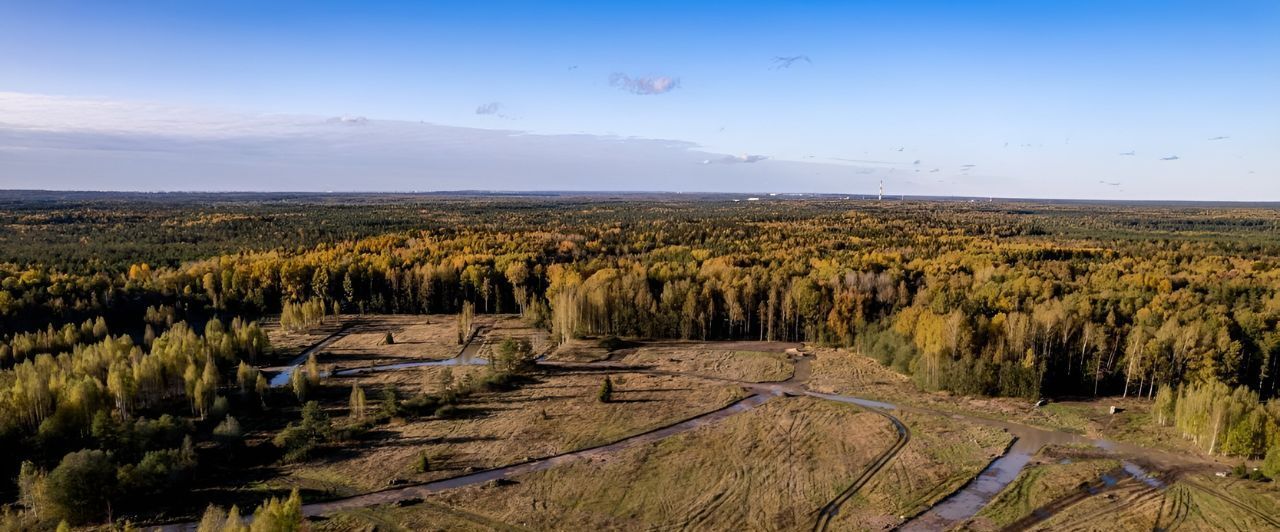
(579, 350)
(766, 469)
(1182, 506)
(287, 344)
(743, 361)
(557, 414)
(416, 337)
(845, 372)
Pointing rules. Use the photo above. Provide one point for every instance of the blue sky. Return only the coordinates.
(970, 98)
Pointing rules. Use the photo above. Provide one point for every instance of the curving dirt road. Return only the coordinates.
(829, 510)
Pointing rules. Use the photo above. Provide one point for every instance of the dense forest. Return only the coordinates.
(114, 309)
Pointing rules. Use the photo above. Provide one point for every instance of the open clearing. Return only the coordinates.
(557, 413)
(846, 372)
(766, 469)
(742, 361)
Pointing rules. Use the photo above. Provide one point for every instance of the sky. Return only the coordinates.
(1086, 99)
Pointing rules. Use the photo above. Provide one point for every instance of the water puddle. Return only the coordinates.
(974, 496)
(1141, 475)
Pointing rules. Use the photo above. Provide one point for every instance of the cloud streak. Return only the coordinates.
(737, 159)
(490, 108)
(644, 85)
(86, 144)
(785, 61)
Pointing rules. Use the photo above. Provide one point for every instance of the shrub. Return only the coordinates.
(298, 441)
(448, 412)
(606, 391)
(228, 431)
(1271, 465)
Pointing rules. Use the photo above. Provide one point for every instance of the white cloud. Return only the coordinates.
(76, 143)
(642, 85)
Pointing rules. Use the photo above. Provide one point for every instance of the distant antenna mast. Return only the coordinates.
(881, 196)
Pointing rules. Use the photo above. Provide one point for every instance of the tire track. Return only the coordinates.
(1234, 502)
(829, 510)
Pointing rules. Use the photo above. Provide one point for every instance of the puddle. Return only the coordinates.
(974, 496)
(1141, 475)
(282, 379)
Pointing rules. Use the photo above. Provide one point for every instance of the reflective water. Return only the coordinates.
(969, 500)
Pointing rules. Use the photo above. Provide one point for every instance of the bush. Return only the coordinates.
(613, 343)
(1271, 465)
(389, 407)
(448, 412)
(80, 488)
(606, 391)
(220, 407)
(158, 472)
(298, 441)
(423, 464)
(423, 404)
(228, 431)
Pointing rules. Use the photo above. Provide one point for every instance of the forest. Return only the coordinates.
(129, 324)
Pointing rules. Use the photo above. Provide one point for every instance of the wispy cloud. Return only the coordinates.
(736, 159)
(351, 120)
(785, 61)
(490, 108)
(1109, 183)
(1129, 153)
(75, 143)
(1219, 138)
(1170, 158)
(644, 85)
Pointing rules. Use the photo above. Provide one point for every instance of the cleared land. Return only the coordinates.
(742, 361)
(766, 469)
(558, 413)
(1198, 503)
(846, 372)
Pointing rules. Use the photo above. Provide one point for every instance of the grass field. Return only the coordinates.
(766, 469)
(1193, 504)
(744, 361)
(558, 413)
